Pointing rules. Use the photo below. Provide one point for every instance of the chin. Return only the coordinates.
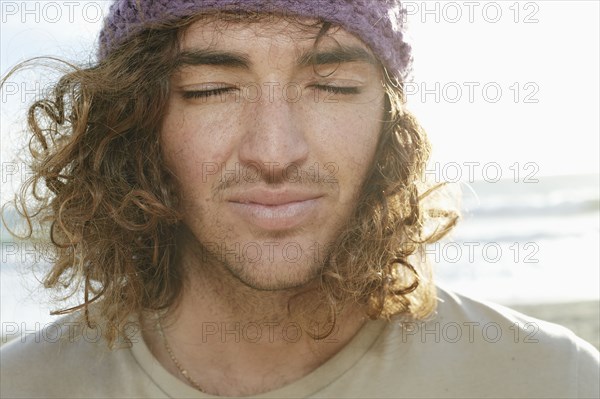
(278, 276)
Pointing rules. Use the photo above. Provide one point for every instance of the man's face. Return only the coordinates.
(270, 138)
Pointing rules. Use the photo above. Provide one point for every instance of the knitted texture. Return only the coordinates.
(379, 23)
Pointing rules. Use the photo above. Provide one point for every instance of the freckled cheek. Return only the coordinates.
(344, 152)
(197, 141)
(352, 138)
(194, 152)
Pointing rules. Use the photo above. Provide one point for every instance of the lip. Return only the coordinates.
(275, 209)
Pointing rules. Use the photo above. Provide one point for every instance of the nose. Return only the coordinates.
(274, 137)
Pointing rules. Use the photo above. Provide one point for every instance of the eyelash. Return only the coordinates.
(338, 89)
(206, 93)
(194, 94)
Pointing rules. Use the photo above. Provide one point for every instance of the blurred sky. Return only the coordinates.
(505, 82)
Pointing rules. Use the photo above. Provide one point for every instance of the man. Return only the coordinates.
(236, 189)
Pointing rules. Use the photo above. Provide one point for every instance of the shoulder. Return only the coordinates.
(501, 324)
(474, 348)
(65, 359)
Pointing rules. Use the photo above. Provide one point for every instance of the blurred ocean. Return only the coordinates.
(525, 242)
(518, 243)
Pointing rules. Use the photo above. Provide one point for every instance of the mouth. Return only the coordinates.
(275, 210)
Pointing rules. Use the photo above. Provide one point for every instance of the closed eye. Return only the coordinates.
(337, 89)
(190, 94)
(200, 94)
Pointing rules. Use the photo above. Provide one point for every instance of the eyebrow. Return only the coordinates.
(212, 57)
(338, 55)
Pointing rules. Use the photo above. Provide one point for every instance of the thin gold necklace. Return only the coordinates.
(176, 362)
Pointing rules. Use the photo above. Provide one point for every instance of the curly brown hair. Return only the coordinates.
(100, 184)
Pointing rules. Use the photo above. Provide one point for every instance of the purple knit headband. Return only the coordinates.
(379, 23)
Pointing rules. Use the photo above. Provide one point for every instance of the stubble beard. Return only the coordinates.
(268, 273)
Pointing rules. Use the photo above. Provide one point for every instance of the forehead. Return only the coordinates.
(244, 32)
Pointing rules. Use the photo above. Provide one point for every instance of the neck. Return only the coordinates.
(234, 340)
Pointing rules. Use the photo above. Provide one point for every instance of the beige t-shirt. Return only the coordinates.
(468, 349)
